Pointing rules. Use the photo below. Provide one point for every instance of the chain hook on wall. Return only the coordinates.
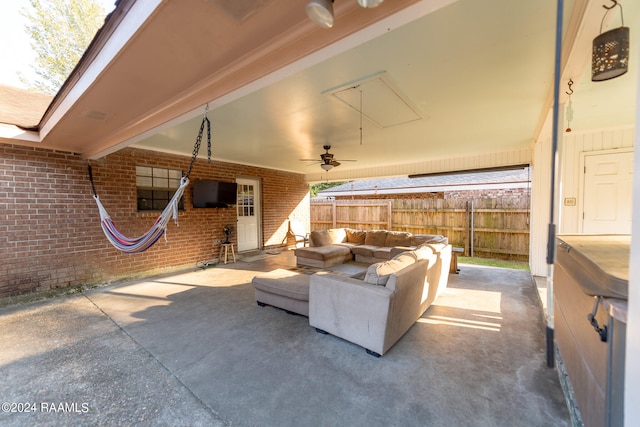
(570, 91)
(569, 109)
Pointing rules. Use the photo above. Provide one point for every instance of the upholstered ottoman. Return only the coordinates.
(283, 289)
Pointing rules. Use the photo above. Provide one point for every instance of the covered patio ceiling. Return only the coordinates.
(474, 78)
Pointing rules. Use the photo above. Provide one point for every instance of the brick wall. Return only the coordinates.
(458, 194)
(50, 234)
(495, 193)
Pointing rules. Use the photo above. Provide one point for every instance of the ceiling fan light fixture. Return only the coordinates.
(370, 4)
(326, 166)
(321, 12)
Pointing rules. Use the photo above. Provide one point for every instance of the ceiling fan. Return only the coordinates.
(327, 162)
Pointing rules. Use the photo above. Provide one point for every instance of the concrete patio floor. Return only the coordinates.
(193, 348)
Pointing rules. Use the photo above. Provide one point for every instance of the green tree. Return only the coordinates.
(315, 188)
(60, 32)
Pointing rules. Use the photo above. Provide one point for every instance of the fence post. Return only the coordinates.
(467, 247)
(389, 213)
(334, 213)
(472, 233)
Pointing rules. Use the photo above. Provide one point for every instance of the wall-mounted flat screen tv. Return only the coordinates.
(214, 194)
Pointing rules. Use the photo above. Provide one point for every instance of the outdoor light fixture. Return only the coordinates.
(610, 57)
(370, 4)
(326, 166)
(321, 12)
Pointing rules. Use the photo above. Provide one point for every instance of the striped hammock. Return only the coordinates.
(144, 242)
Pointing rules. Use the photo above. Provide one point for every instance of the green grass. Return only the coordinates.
(494, 263)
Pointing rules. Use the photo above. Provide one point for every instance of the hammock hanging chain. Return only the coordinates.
(144, 242)
(196, 147)
(93, 186)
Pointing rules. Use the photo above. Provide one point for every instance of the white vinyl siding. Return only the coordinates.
(574, 147)
(571, 149)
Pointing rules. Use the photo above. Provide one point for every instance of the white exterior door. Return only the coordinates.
(608, 181)
(248, 214)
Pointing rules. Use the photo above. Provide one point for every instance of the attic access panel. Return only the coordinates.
(382, 102)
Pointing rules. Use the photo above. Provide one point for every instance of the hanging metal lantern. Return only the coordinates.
(610, 57)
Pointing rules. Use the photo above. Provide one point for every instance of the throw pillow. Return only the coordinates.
(320, 238)
(337, 235)
(378, 273)
(397, 238)
(375, 238)
(375, 277)
(424, 252)
(356, 236)
(406, 256)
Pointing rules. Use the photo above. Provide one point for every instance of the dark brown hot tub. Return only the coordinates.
(592, 273)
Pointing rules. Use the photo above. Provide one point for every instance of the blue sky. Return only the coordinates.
(15, 51)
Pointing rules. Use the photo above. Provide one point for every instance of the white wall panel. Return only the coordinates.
(571, 148)
(574, 147)
(540, 205)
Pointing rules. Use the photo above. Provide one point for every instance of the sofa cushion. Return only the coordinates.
(364, 250)
(436, 247)
(347, 245)
(337, 235)
(356, 236)
(420, 239)
(320, 238)
(407, 256)
(378, 273)
(375, 238)
(424, 252)
(322, 253)
(397, 238)
(397, 250)
(360, 275)
(383, 253)
(285, 283)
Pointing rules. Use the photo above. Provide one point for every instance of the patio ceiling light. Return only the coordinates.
(370, 4)
(610, 57)
(326, 166)
(321, 12)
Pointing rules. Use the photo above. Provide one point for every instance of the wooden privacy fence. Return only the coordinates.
(490, 228)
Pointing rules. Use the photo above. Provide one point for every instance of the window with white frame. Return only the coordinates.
(156, 186)
(246, 196)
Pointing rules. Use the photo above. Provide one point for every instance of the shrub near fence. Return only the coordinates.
(491, 228)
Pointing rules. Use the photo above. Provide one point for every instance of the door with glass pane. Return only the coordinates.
(248, 214)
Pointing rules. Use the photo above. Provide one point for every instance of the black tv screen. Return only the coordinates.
(214, 194)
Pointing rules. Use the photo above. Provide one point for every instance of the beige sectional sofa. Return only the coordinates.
(338, 245)
(377, 310)
(373, 309)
